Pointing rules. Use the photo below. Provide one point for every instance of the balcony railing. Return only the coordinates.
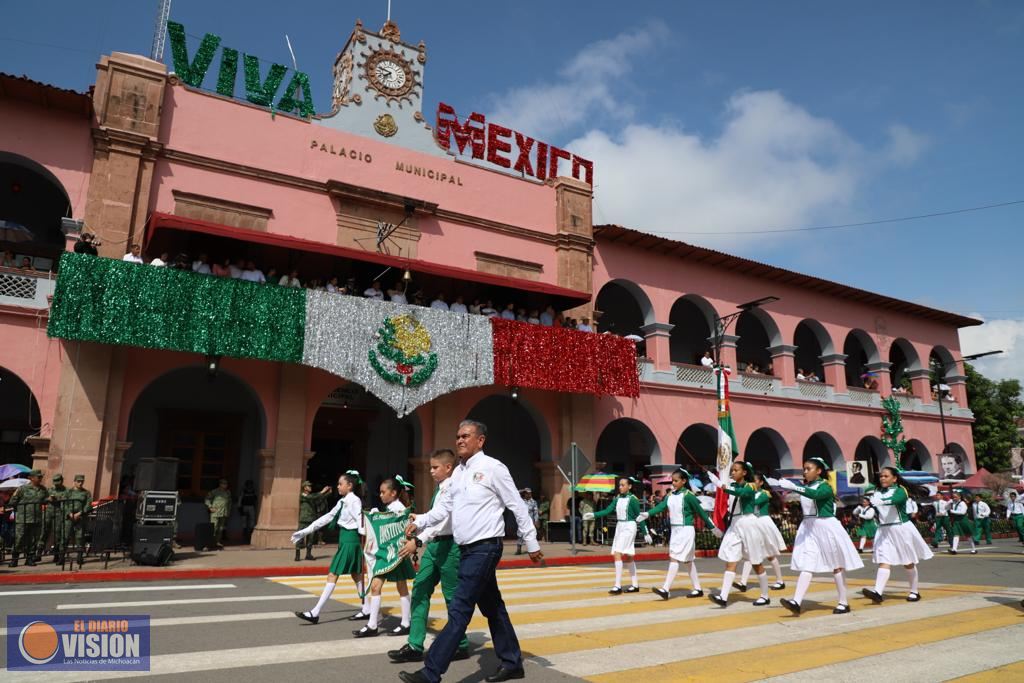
(815, 390)
(760, 384)
(25, 288)
(695, 375)
(865, 397)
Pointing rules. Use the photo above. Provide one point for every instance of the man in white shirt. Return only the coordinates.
(236, 269)
(374, 292)
(253, 274)
(161, 260)
(290, 280)
(397, 295)
(510, 312)
(547, 318)
(982, 523)
(201, 265)
(481, 490)
(943, 529)
(488, 310)
(707, 361)
(458, 306)
(584, 325)
(438, 304)
(133, 256)
(1015, 513)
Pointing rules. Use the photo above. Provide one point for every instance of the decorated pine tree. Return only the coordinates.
(892, 430)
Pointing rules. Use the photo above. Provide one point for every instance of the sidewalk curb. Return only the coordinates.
(171, 574)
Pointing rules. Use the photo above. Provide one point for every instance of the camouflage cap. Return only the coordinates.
(79, 477)
(58, 477)
(33, 473)
(307, 483)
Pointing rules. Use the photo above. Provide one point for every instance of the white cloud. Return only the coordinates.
(905, 146)
(1005, 334)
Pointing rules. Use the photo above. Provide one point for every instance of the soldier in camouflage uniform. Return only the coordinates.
(27, 503)
(309, 509)
(77, 503)
(53, 520)
(218, 502)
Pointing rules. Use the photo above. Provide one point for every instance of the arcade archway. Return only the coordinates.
(812, 342)
(768, 452)
(624, 307)
(917, 457)
(692, 318)
(32, 204)
(871, 449)
(19, 419)
(757, 332)
(860, 349)
(627, 445)
(823, 445)
(698, 442)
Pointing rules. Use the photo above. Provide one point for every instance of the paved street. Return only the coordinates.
(969, 623)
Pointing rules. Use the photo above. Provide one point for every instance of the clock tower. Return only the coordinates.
(378, 90)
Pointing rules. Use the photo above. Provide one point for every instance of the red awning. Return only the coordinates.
(159, 222)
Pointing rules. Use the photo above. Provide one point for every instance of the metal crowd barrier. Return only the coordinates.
(47, 532)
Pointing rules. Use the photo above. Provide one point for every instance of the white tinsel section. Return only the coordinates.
(341, 330)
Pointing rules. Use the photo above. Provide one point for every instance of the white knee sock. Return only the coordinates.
(673, 569)
(324, 597)
(956, 542)
(881, 578)
(912, 576)
(618, 573)
(694, 576)
(632, 573)
(374, 611)
(777, 569)
(762, 579)
(745, 574)
(406, 604)
(971, 539)
(841, 587)
(727, 579)
(802, 584)
(863, 542)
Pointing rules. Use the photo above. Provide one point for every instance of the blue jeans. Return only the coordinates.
(478, 587)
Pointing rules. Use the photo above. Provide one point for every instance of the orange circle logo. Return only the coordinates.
(38, 642)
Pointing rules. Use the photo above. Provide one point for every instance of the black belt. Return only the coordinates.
(445, 537)
(483, 541)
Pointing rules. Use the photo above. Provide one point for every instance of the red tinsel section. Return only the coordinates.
(559, 359)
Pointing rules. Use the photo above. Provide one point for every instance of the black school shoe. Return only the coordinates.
(503, 674)
(841, 609)
(718, 600)
(365, 632)
(916, 597)
(695, 593)
(792, 605)
(778, 586)
(615, 591)
(632, 589)
(460, 654)
(399, 631)
(762, 602)
(306, 616)
(661, 593)
(359, 616)
(741, 587)
(405, 654)
(872, 595)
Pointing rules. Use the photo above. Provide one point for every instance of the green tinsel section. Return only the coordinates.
(258, 93)
(191, 74)
(114, 302)
(288, 103)
(228, 72)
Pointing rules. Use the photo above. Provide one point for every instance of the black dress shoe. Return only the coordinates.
(718, 600)
(503, 674)
(460, 654)
(841, 609)
(872, 595)
(399, 631)
(406, 653)
(695, 593)
(632, 589)
(792, 605)
(306, 616)
(365, 632)
(661, 592)
(414, 677)
(615, 591)
(359, 616)
(761, 602)
(778, 586)
(916, 597)
(741, 587)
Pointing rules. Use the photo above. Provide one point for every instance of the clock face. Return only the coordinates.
(390, 74)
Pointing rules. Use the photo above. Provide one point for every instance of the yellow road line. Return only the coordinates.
(776, 660)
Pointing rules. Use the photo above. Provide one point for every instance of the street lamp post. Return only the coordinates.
(722, 324)
(942, 417)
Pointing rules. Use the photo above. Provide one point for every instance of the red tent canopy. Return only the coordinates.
(976, 480)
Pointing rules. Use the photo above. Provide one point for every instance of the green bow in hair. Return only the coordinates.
(405, 484)
(822, 463)
(633, 480)
(355, 474)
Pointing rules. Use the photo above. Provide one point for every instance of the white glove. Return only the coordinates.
(648, 540)
(374, 510)
(642, 517)
(713, 478)
(788, 485)
(297, 536)
(716, 532)
(771, 481)
(588, 516)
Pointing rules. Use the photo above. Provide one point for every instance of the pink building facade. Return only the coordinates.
(147, 159)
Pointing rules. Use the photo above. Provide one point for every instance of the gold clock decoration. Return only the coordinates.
(390, 74)
(385, 125)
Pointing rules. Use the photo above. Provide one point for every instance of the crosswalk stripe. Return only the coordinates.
(775, 660)
(1001, 674)
(927, 662)
(120, 589)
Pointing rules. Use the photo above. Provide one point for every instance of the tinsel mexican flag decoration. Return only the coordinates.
(405, 355)
(728, 448)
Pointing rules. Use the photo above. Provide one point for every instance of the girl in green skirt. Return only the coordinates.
(396, 499)
(867, 525)
(347, 516)
(963, 524)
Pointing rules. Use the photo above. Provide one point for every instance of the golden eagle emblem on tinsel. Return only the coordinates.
(402, 354)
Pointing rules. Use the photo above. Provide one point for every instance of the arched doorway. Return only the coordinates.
(903, 358)
(515, 435)
(757, 332)
(32, 204)
(812, 341)
(823, 445)
(872, 450)
(624, 308)
(768, 452)
(698, 442)
(942, 365)
(214, 426)
(19, 419)
(917, 457)
(692, 318)
(353, 429)
(860, 350)
(626, 445)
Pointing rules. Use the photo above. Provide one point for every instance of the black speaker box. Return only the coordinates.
(204, 536)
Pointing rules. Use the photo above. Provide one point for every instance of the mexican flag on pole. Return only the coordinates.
(385, 532)
(728, 447)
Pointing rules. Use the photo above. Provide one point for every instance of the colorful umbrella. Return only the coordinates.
(13, 483)
(12, 470)
(599, 483)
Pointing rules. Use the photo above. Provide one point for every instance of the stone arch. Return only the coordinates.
(824, 445)
(871, 449)
(514, 436)
(903, 358)
(693, 319)
(757, 332)
(626, 445)
(32, 198)
(860, 350)
(941, 362)
(625, 308)
(19, 418)
(812, 341)
(918, 457)
(768, 451)
(698, 442)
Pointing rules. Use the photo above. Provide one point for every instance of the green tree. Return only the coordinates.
(996, 407)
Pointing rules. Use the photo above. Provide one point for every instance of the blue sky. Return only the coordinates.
(718, 118)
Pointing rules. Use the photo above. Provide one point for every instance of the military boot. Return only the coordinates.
(298, 554)
(309, 553)
(14, 560)
(30, 560)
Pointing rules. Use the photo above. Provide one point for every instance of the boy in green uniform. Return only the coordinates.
(440, 563)
(27, 503)
(1015, 513)
(78, 502)
(309, 507)
(53, 520)
(218, 502)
